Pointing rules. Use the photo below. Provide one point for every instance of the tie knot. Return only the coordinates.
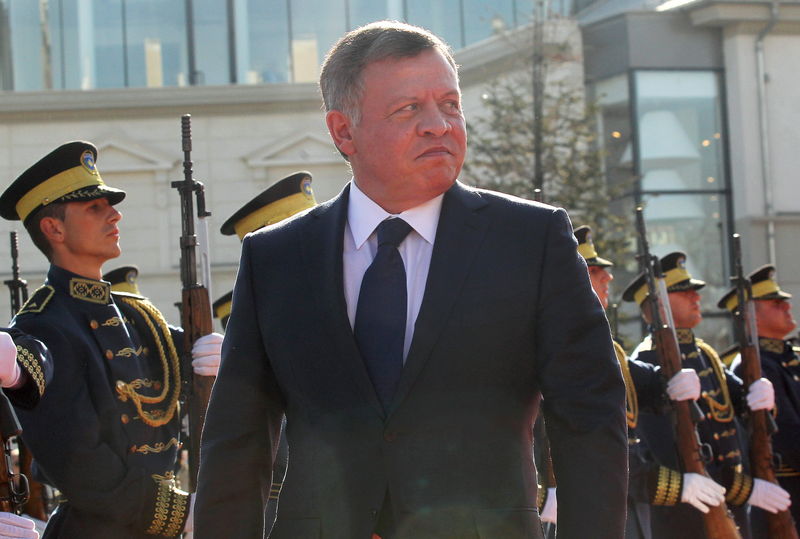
(392, 231)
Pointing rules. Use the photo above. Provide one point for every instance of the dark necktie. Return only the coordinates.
(380, 324)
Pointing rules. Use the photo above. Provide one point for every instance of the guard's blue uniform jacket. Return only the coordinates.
(106, 432)
(780, 364)
(722, 399)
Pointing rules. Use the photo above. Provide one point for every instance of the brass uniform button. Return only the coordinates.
(708, 415)
(145, 350)
(716, 436)
(93, 324)
(704, 394)
(125, 419)
(109, 354)
(157, 385)
(132, 449)
(120, 384)
(720, 458)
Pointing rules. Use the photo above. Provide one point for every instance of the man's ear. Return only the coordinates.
(53, 229)
(339, 126)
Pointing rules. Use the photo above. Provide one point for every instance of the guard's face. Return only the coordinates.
(774, 318)
(600, 277)
(90, 231)
(410, 142)
(685, 306)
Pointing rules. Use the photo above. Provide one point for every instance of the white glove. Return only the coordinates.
(9, 368)
(761, 395)
(189, 528)
(769, 496)
(550, 509)
(684, 386)
(206, 353)
(700, 491)
(12, 525)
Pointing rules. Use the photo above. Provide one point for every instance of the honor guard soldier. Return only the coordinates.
(649, 483)
(123, 279)
(281, 200)
(780, 364)
(723, 397)
(106, 433)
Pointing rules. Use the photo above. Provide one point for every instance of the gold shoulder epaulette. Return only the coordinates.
(38, 301)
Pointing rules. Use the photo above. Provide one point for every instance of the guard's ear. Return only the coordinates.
(339, 126)
(53, 229)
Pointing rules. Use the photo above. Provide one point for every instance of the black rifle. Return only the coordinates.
(195, 304)
(18, 287)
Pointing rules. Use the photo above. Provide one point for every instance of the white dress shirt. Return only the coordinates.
(361, 244)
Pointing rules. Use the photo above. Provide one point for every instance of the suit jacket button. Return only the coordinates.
(109, 354)
(390, 436)
(124, 418)
(93, 324)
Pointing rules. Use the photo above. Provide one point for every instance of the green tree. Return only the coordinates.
(501, 156)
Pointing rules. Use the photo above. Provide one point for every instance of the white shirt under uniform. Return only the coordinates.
(361, 244)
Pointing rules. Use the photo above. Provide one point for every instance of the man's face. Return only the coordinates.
(410, 142)
(600, 277)
(685, 307)
(774, 318)
(90, 232)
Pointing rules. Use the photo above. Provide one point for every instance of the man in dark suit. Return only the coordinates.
(409, 362)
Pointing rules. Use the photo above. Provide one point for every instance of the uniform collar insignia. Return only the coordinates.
(90, 290)
(685, 336)
(776, 346)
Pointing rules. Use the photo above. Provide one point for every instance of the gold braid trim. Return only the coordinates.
(740, 489)
(668, 487)
(32, 366)
(631, 401)
(721, 411)
(775, 346)
(541, 497)
(159, 447)
(275, 490)
(171, 365)
(178, 513)
(162, 508)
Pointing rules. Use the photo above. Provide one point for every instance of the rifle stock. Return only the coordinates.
(718, 522)
(762, 425)
(195, 304)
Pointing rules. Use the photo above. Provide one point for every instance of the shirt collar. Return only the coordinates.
(364, 215)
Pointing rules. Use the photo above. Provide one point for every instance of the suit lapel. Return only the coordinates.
(458, 237)
(322, 254)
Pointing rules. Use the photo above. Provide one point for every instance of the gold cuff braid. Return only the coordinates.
(668, 487)
(32, 366)
(740, 489)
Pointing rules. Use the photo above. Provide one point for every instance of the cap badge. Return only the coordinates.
(305, 186)
(87, 160)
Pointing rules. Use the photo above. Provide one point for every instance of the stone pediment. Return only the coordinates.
(120, 155)
(299, 150)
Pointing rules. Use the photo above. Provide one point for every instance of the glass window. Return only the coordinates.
(156, 43)
(680, 130)
(483, 19)
(443, 18)
(366, 11)
(262, 41)
(315, 27)
(211, 49)
(109, 49)
(30, 45)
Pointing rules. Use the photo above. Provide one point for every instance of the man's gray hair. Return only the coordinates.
(341, 82)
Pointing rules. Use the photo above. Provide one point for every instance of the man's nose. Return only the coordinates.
(114, 215)
(433, 122)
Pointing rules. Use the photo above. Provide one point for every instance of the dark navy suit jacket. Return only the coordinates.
(508, 315)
